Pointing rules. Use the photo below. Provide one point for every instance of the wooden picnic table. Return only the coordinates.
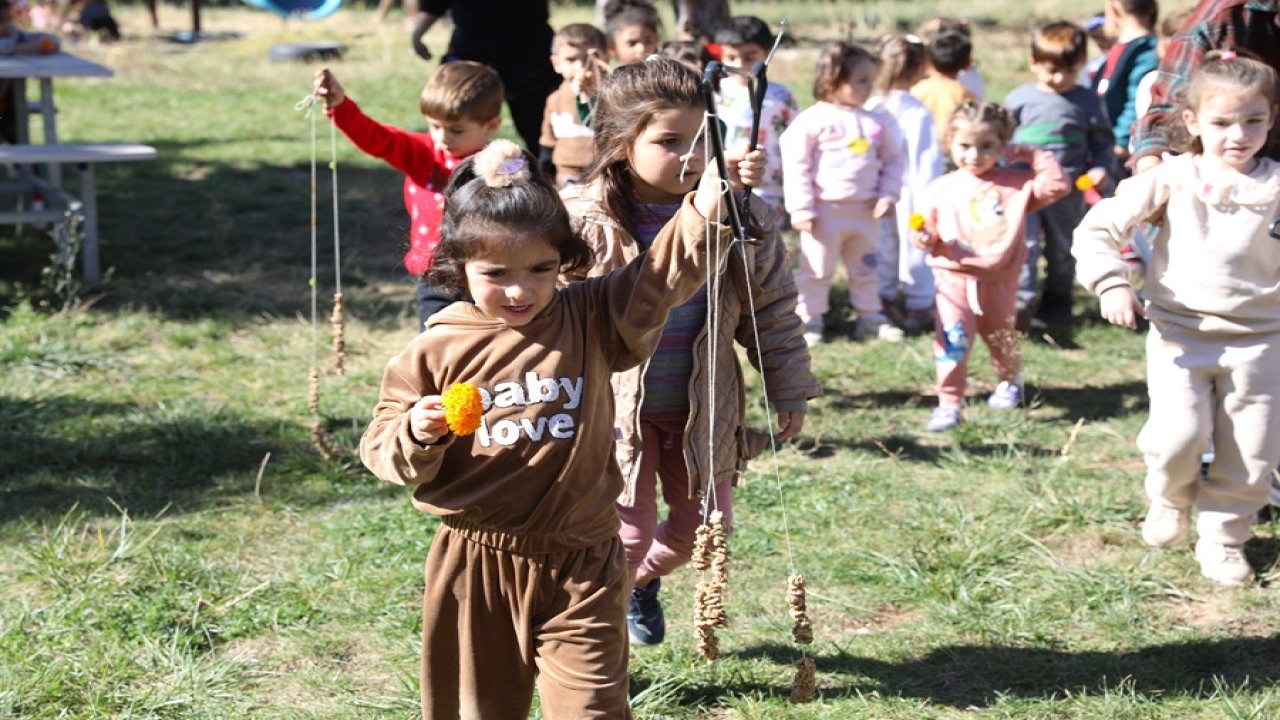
(50, 152)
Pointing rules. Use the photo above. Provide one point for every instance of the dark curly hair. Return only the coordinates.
(479, 218)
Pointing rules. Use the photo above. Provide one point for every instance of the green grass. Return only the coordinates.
(171, 546)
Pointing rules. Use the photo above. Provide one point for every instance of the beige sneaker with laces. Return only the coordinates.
(1224, 564)
(1165, 525)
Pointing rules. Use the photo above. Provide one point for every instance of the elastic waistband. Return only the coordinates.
(526, 544)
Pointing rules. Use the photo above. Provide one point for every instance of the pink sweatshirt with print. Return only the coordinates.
(980, 219)
(835, 153)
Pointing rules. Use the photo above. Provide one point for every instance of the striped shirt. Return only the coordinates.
(666, 379)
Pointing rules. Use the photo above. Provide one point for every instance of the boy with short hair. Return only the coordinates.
(744, 41)
(462, 102)
(1067, 119)
(566, 145)
(949, 53)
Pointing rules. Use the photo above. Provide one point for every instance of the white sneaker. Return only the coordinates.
(812, 338)
(1165, 525)
(877, 326)
(1224, 564)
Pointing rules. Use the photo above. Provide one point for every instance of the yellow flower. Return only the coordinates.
(916, 221)
(1084, 183)
(462, 408)
(859, 145)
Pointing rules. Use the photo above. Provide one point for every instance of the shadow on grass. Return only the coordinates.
(61, 451)
(964, 676)
(233, 241)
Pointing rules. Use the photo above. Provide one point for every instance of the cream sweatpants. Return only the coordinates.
(1223, 388)
(841, 231)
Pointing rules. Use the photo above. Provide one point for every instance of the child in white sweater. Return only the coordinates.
(1213, 299)
(902, 266)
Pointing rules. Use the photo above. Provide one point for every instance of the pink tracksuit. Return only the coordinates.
(837, 162)
(979, 220)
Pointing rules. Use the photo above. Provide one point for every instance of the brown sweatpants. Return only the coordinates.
(494, 622)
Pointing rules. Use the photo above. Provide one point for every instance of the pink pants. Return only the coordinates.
(655, 549)
(966, 308)
(1222, 388)
(841, 231)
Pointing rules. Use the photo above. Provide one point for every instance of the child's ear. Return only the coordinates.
(493, 125)
(1193, 124)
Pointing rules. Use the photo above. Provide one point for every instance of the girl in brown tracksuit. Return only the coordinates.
(525, 582)
(647, 117)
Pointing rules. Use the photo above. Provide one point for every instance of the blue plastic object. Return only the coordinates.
(309, 9)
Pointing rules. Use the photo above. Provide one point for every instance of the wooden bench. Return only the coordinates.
(84, 157)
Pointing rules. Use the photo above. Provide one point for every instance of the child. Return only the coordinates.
(648, 117)
(745, 41)
(526, 579)
(577, 53)
(14, 41)
(1169, 27)
(1213, 351)
(970, 77)
(1056, 114)
(1096, 30)
(949, 54)
(1130, 58)
(843, 172)
(632, 28)
(461, 103)
(690, 52)
(973, 230)
(902, 64)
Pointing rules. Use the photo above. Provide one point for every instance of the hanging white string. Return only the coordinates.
(307, 106)
(333, 171)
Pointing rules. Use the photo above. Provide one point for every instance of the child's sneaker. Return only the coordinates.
(645, 622)
(943, 418)
(1007, 396)
(877, 326)
(1224, 564)
(1165, 525)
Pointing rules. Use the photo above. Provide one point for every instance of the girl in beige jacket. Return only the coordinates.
(667, 416)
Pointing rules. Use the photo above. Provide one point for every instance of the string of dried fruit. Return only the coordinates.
(337, 320)
(802, 630)
(806, 682)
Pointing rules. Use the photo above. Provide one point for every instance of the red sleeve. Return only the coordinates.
(411, 153)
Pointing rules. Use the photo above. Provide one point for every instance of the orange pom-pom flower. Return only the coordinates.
(916, 221)
(1084, 183)
(462, 408)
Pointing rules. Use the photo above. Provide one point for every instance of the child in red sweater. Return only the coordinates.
(462, 103)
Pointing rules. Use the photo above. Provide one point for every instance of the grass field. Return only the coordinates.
(171, 545)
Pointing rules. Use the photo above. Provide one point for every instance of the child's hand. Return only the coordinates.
(883, 207)
(789, 424)
(1120, 306)
(1019, 153)
(746, 169)
(1098, 176)
(327, 87)
(804, 226)
(426, 420)
(924, 239)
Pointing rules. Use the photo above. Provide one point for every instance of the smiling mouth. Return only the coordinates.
(518, 308)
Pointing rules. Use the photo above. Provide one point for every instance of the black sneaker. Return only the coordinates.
(645, 623)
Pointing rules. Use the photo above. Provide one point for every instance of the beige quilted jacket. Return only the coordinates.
(765, 279)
